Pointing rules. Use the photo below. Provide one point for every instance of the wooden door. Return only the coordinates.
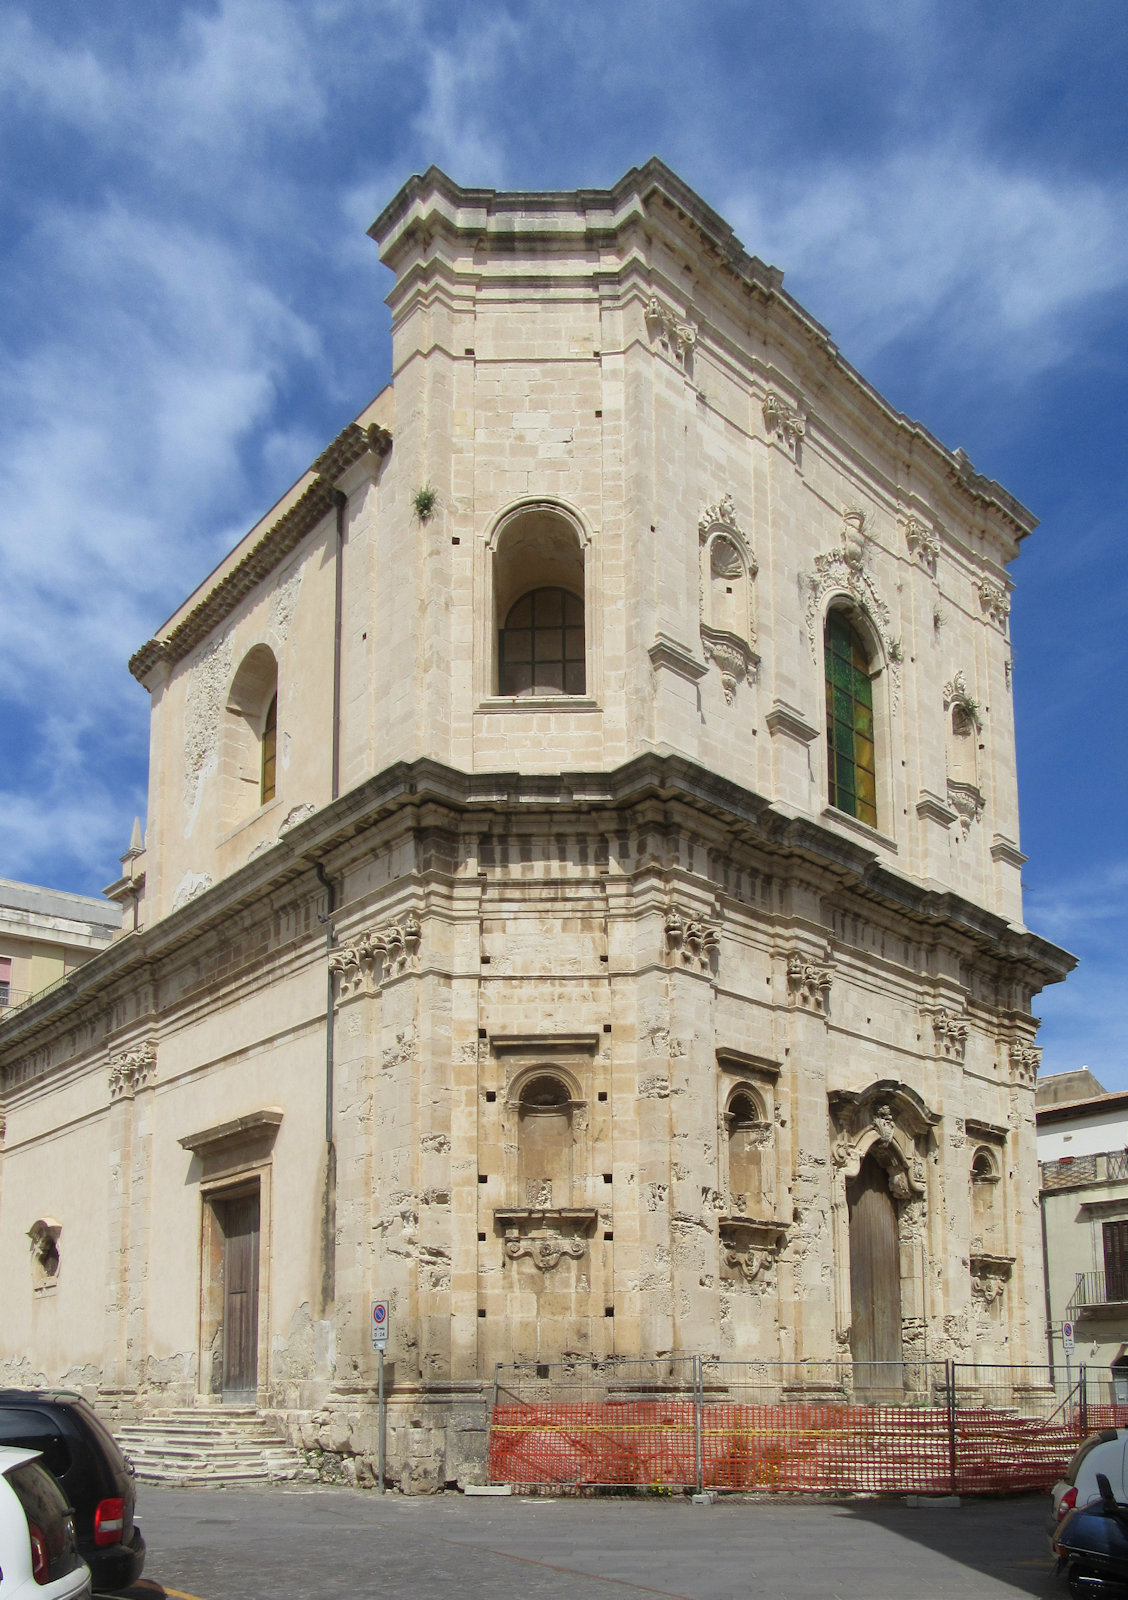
(875, 1281)
(239, 1219)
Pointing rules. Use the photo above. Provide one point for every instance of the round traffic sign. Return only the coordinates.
(379, 1313)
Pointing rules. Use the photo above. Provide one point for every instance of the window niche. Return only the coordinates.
(728, 567)
(250, 736)
(540, 582)
(964, 728)
(984, 1197)
(750, 1235)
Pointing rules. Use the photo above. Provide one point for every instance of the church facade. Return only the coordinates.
(581, 898)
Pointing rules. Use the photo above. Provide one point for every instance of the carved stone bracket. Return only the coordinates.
(995, 602)
(544, 1235)
(967, 801)
(989, 1277)
(377, 956)
(132, 1070)
(678, 334)
(956, 693)
(950, 1033)
(750, 1247)
(691, 942)
(808, 985)
(1025, 1059)
(783, 421)
(923, 541)
(737, 660)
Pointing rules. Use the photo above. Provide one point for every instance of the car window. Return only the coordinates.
(1106, 1436)
(34, 1431)
(45, 1505)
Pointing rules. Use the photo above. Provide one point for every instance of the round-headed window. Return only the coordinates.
(541, 645)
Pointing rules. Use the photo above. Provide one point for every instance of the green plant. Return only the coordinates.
(425, 501)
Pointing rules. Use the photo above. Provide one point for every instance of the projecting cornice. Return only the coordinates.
(283, 536)
(505, 223)
(747, 816)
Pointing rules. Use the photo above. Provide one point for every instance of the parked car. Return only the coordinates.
(38, 1551)
(94, 1475)
(1091, 1544)
(1105, 1452)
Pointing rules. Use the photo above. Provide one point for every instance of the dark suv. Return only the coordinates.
(95, 1476)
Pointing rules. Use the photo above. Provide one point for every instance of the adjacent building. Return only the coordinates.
(46, 934)
(1083, 1157)
(581, 897)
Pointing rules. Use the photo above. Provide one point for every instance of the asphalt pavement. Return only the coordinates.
(316, 1543)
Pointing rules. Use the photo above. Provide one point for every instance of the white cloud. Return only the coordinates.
(1004, 258)
(463, 79)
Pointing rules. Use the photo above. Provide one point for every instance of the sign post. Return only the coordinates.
(1067, 1346)
(379, 1324)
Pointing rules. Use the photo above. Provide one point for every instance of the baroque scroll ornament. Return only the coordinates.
(676, 332)
(783, 420)
(923, 541)
(544, 1252)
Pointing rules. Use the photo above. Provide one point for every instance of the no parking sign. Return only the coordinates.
(1067, 1337)
(379, 1322)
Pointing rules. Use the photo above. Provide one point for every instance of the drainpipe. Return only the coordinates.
(341, 501)
(329, 1199)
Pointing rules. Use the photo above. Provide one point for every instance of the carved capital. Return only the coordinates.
(691, 942)
(808, 984)
(783, 421)
(131, 1070)
(378, 955)
(950, 1033)
(1025, 1059)
(989, 1277)
(923, 541)
(678, 334)
(995, 602)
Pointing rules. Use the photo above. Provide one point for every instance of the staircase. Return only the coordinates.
(209, 1446)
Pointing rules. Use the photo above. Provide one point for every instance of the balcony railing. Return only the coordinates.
(1097, 1291)
(1073, 1172)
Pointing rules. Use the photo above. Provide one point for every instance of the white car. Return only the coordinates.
(1105, 1452)
(38, 1555)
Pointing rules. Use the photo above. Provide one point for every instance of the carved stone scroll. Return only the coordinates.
(750, 1247)
(923, 541)
(678, 334)
(690, 942)
(783, 421)
(808, 984)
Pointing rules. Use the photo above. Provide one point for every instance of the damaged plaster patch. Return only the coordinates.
(402, 1051)
(207, 691)
(283, 602)
(656, 1086)
(190, 885)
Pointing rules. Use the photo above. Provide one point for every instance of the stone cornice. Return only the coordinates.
(747, 816)
(432, 203)
(277, 542)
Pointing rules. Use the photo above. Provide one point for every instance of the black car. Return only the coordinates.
(96, 1478)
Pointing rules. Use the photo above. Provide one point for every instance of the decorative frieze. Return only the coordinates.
(377, 956)
(783, 421)
(808, 984)
(995, 602)
(678, 334)
(690, 942)
(131, 1070)
(950, 1033)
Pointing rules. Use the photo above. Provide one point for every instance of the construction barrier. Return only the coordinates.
(692, 1441)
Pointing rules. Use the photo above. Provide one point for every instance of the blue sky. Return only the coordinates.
(190, 309)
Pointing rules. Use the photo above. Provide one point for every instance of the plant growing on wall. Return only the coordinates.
(425, 502)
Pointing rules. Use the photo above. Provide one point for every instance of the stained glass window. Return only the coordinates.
(849, 722)
(541, 646)
(269, 750)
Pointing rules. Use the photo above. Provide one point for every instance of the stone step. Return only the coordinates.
(206, 1446)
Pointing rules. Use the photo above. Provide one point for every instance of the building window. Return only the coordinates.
(269, 749)
(541, 645)
(5, 980)
(1116, 1260)
(747, 1133)
(849, 722)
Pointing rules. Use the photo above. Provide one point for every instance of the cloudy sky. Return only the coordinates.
(190, 309)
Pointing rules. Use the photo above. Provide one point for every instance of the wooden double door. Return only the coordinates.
(875, 1283)
(238, 1219)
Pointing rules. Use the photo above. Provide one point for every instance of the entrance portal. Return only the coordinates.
(239, 1222)
(875, 1284)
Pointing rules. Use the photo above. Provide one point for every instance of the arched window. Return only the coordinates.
(544, 1138)
(541, 645)
(250, 737)
(745, 1128)
(269, 749)
(849, 721)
